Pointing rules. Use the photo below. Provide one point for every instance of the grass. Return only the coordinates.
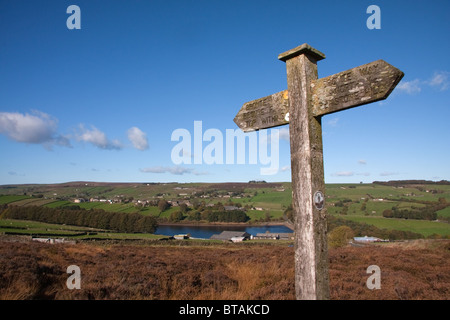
(373, 207)
(423, 227)
(273, 202)
(121, 236)
(22, 227)
(403, 198)
(444, 213)
(272, 199)
(6, 199)
(154, 211)
(220, 272)
(38, 225)
(56, 204)
(255, 215)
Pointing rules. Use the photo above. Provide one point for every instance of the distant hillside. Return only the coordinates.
(396, 183)
(418, 206)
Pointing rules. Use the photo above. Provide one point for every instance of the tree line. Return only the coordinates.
(209, 216)
(410, 214)
(398, 183)
(361, 229)
(428, 212)
(76, 216)
(201, 212)
(227, 216)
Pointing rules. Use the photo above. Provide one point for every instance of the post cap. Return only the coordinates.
(303, 49)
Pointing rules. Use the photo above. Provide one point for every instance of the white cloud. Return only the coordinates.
(284, 134)
(440, 80)
(138, 138)
(35, 128)
(410, 87)
(285, 168)
(333, 122)
(15, 173)
(388, 173)
(176, 170)
(343, 174)
(97, 138)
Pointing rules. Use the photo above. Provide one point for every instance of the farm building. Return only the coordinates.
(366, 239)
(181, 236)
(231, 208)
(229, 235)
(237, 239)
(274, 236)
(53, 240)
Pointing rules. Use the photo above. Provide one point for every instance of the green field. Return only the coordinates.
(357, 202)
(34, 228)
(5, 199)
(10, 223)
(378, 198)
(423, 227)
(56, 204)
(39, 229)
(444, 212)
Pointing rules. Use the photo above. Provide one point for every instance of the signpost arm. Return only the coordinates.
(311, 253)
(302, 106)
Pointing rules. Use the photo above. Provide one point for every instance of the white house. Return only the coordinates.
(367, 239)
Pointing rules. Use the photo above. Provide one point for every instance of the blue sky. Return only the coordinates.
(100, 103)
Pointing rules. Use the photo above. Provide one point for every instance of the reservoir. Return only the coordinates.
(206, 231)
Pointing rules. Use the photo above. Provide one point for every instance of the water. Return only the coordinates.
(205, 232)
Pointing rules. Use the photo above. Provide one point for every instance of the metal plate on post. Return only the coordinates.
(302, 106)
(319, 200)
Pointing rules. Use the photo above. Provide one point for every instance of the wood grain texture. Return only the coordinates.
(267, 112)
(358, 86)
(311, 264)
(348, 89)
(302, 105)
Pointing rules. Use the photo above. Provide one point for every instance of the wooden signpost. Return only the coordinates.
(302, 105)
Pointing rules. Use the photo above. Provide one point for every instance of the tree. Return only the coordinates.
(339, 236)
(163, 205)
(148, 224)
(388, 213)
(289, 213)
(176, 216)
(212, 216)
(194, 215)
(183, 208)
(344, 210)
(195, 203)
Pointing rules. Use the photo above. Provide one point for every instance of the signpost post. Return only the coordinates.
(302, 105)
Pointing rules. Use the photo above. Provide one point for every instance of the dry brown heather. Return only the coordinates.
(30, 270)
